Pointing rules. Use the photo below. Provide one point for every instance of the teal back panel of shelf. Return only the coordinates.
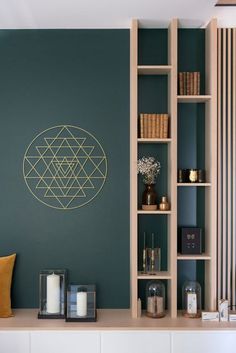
(191, 52)
(153, 98)
(152, 94)
(81, 78)
(191, 150)
(152, 47)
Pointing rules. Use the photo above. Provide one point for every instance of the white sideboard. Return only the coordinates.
(114, 332)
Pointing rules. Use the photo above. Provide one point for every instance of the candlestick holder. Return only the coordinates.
(153, 260)
(52, 294)
(81, 303)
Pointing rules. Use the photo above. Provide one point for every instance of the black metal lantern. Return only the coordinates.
(52, 294)
(81, 303)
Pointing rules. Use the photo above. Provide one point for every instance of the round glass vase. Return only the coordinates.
(155, 299)
(149, 198)
(191, 299)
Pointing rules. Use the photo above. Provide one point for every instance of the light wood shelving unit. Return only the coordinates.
(209, 99)
(170, 71)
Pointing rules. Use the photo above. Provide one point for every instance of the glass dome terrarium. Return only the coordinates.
(191, 299)
(155, 299)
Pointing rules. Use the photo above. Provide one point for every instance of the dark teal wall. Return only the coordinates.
(81, 78)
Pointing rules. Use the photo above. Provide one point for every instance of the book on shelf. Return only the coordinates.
(153, 125)
(189, 83)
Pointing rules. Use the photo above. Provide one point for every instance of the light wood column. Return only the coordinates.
(133, 164)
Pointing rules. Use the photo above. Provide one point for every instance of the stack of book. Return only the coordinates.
(153, 125)
(189, 83)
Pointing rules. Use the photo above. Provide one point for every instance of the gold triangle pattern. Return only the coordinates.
(65, 167)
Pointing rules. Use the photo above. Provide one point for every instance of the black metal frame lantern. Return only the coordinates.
(52, 294)
(81, 303)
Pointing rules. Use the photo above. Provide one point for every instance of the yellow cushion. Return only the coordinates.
(6, 268)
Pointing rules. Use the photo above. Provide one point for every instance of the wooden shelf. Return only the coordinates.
(153, 212)
(154, 140)
(158, 275)
(154, 69)
(109, 319)
(193, 99)
(193, 257)
(193, 184)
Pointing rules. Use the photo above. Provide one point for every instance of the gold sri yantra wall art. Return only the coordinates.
(65, 167)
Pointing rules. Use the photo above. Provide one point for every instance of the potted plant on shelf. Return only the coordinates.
(149, 167)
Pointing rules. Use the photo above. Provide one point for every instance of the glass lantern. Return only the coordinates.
(81, 303)
(155, 296)
(191, 299)
(52, 294)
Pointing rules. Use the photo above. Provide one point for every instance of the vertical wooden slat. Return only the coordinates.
(234, 164)
(229, 166)
(219, 208)
(211, 162)
(172, 165)
(133, 161)
(224, 166)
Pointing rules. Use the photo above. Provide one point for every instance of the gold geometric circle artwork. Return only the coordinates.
(65, 167)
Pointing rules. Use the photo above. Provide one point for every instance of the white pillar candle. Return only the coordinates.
(53, 294)
(81, 303)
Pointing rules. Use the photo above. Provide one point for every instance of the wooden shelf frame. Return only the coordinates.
(210, 165)
(154, 69)
(193, 184)
(171, 71)
(194, 99)
(158, 212)
(194, 257)
(154, 140)
(157, 275)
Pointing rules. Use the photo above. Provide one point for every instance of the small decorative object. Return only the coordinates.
(201, 176)
(190, 240)
(164, 205)
(183, 176)
(193, 175)
(210, 316)
(155, 294)
(223, 308)
(151, 257)
(144, 255)
(81, 303)
(149, 168)
(232, 316)
(52, 294)
(154, 258)
(191, 299)
(139, 304)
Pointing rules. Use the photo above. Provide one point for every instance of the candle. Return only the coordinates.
(81, 303)
(151, 305)
(144, 240)
(191, 303)
(159, 302)
(53, 294)
(152, 240)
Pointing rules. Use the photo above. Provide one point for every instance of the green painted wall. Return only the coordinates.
(81, 78)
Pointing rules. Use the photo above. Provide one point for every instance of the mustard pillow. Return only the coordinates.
(6, 268)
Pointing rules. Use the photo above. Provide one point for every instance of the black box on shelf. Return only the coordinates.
(190, 241)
